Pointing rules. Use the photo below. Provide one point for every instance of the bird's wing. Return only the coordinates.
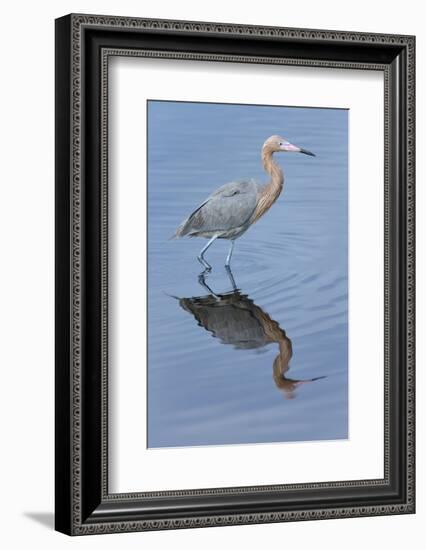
(227, 208)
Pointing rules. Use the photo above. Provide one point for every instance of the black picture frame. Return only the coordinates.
(83, 45)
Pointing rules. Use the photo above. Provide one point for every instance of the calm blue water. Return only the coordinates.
(267, 363)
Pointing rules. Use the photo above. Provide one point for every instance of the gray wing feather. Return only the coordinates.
(229, 207)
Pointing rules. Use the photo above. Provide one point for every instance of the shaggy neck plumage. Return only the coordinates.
(272, 190)
(274, 170)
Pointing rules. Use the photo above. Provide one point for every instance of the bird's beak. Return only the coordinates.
(306, 152)
(290, 148)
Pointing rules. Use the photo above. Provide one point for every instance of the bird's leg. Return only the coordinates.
(202, 281)
(229, 256)
(231, 278)
(201, 255)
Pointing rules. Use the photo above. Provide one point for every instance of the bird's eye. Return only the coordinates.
(280, 143)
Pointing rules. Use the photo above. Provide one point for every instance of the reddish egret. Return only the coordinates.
(235, 206)
(234, 319)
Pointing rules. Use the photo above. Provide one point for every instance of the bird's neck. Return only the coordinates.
(274, 170)
(272, 190)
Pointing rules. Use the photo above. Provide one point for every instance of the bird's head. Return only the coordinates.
(278, 144)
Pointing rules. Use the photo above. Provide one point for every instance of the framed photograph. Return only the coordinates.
(234, 274)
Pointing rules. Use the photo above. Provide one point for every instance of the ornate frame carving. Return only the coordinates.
(83, 47)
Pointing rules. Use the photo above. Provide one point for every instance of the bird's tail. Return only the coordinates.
(177, 234)
(181, 231)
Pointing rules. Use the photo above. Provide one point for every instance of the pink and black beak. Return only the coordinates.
(288, 147)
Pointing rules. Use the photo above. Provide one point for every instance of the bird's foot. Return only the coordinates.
(202, 280)
(202, 277)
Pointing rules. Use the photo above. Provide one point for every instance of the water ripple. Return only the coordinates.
(266, 362)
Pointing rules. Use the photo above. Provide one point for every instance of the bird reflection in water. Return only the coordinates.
(236, 320)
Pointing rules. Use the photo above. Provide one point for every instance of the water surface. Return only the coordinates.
(266, 362)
